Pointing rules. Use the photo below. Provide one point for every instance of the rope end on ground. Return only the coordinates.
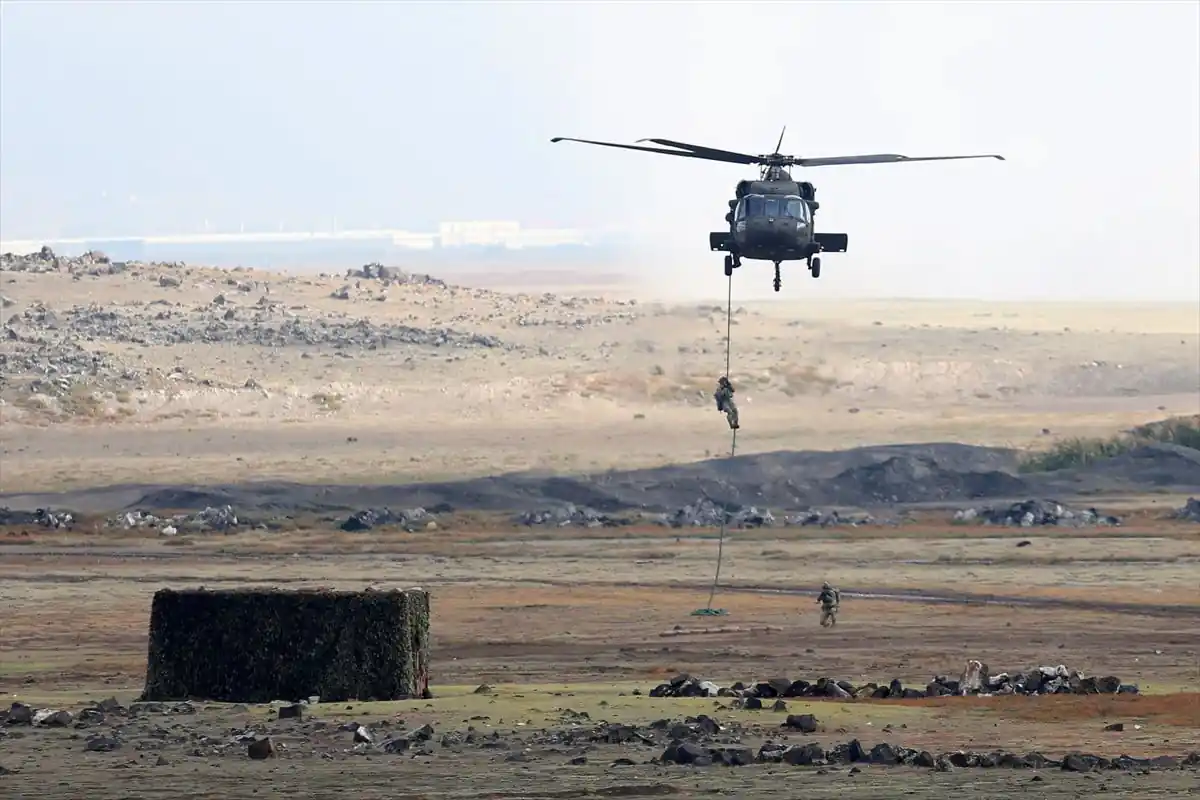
(709, 612)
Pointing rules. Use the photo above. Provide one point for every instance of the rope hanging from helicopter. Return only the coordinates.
(708, 608)
(773, 169)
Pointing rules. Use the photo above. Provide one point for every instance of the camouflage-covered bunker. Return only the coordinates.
(259, 645)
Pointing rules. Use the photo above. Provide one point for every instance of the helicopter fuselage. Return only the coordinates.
(773, 219)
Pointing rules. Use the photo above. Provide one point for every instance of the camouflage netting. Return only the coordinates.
(260, 645)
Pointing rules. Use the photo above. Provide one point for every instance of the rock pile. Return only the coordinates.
(570, 516)
(390, 275)
(222, 518)
(264, 325)
(176, 729)
(42, 348)
(1032, 513)
(826, 520)
(975, 680)
(702, 514)
(707, 514)
(1190, 511)
(42, 517)
(411, 520)
(53, 364)
(92, 262)
(884, 754)
(94, 713)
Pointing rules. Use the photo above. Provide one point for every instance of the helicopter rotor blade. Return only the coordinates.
(709, 152)
(737, 158)
(878, 158)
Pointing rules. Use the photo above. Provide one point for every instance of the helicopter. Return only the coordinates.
(772, 218)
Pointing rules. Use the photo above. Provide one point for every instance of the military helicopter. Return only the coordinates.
(771, 219)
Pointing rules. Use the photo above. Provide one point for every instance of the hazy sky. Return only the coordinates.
(151, 117)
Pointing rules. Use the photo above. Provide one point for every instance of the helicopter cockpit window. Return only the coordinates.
(757, 205)
(796, 209)
(752, 206)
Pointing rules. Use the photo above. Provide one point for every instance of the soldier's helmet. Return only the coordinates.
(826, 585)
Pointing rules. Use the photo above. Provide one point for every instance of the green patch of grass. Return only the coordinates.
(1079, 452)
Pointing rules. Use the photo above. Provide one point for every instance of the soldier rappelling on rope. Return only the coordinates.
(724, 397)
(829, 598)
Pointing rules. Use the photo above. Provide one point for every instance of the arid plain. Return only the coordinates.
(162, 375)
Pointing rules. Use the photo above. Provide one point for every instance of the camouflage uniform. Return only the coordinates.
(829, 598)
(724, 397)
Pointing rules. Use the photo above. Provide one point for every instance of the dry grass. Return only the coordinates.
(1078, 452)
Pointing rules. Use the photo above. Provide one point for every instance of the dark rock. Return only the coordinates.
(19, 714)
(731, 756)
(261, 748)
(102, 744)
(883, 754)
(1030, 513)
(1076, 762)
(805, 723)
(294, 711)
(401, 743)
(617, 734)
(1190, 510)
(686, 753)
(802, 755)
(847, 753)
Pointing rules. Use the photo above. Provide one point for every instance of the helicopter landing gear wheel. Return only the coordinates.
(814, 266)
(778, 282)
(728, 266)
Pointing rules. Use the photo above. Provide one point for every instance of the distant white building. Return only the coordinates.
(466, 234)
(506, 234)
(269, 246)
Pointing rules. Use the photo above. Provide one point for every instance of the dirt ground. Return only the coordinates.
(580, 620)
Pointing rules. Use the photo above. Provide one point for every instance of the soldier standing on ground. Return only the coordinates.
(724, 397)
(829, 598)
